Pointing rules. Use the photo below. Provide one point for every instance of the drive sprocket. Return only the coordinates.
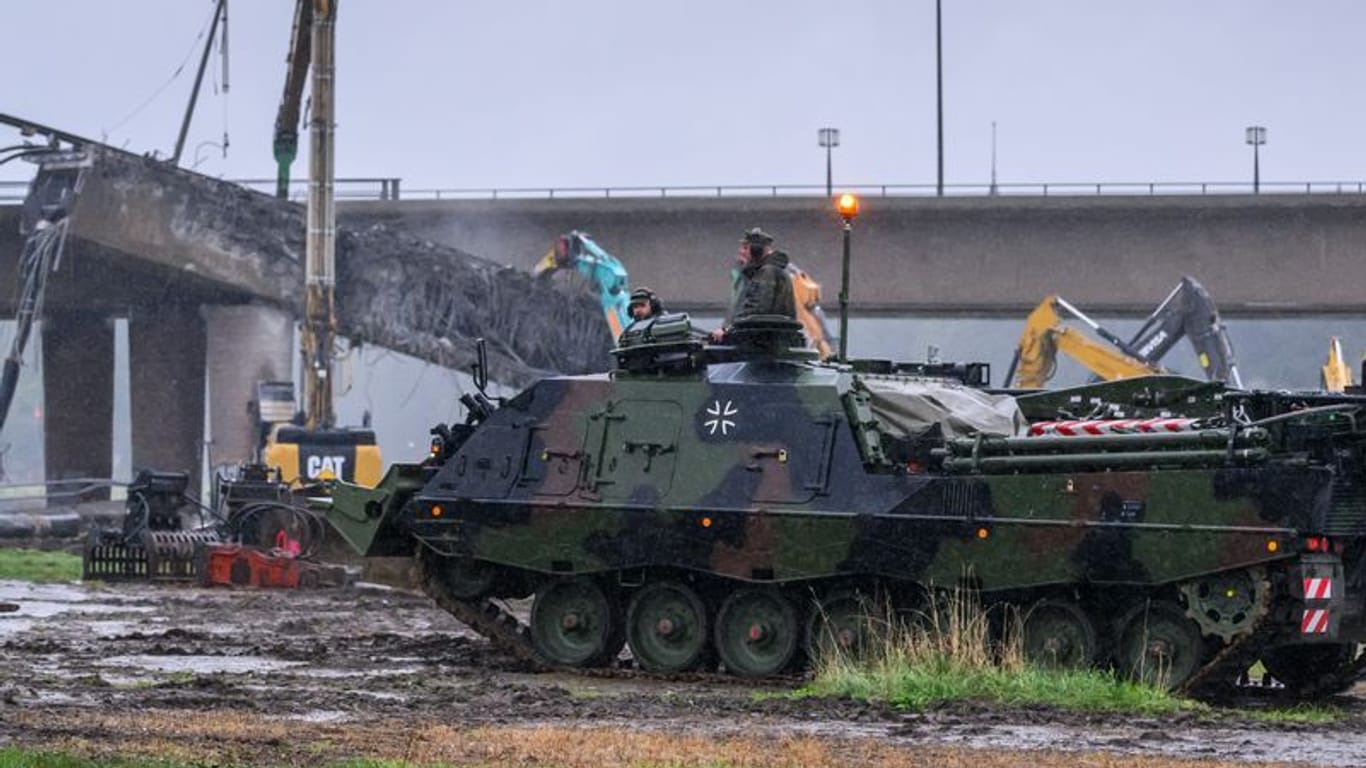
(1227, 605)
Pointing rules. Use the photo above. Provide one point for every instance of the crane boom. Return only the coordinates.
(320, 256)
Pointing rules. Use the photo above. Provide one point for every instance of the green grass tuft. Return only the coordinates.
(1304, 714)
(951, 653)
(35, 565)
(13, 757)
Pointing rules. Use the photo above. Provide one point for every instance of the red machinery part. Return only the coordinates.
(236, 565)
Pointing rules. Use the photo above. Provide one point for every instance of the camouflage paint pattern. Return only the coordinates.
(753, 471)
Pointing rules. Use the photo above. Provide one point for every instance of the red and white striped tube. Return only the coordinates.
(1111, 427)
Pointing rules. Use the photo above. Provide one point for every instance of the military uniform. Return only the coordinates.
(767, 288)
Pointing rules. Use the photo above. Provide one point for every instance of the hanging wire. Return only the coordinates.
(179, 70)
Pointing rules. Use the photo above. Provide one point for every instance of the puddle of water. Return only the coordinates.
(44, 609)
(22, 620)
(19, 591)
(61, 699)
(321, 716)
(10, 626)
(107, 629)
(378, 695)
(231, 665)
(124, 681)
(329, 673)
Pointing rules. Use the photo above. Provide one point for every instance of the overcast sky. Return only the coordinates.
(620, 92)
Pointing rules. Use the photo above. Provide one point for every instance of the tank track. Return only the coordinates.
(1216, 680)
(485, 616)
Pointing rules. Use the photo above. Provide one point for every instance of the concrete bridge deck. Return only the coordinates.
(1258, 255)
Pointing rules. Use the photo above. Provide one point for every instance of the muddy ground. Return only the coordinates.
(107, 667)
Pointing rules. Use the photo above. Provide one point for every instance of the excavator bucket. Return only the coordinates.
(549, 262)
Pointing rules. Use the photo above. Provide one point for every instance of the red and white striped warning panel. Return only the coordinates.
(1314, 622)
(1318, 589)
(1111, 427)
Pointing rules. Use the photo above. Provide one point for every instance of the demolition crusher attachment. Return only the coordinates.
(253, 531)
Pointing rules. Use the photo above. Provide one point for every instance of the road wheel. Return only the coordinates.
(571, 624)
(1059, 635)
(666, 627)
(1159, 645)
(756, 632)
(841, 626)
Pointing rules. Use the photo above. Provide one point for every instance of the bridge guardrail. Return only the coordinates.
(390, 188)
(1022, 189)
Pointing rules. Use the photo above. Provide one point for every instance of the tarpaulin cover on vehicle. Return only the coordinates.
(908, 407)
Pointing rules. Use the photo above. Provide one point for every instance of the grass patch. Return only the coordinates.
(951, 653)
(35, 565)
(12, 757)
(1302, 714)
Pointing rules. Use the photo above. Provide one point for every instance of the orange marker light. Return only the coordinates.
(982, 533)
(1272, 545)
(437, 511)
(847, 206)
(706, 522)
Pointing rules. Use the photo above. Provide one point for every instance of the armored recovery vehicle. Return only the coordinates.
(740, 503)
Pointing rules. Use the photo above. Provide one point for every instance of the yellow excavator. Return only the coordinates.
(317, 449)
(1187, 312)
(1336, 374)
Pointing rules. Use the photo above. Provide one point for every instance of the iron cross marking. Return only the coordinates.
(720, 417)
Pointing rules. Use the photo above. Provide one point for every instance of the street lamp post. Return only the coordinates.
(1256, 136)
(848, 210)
(828, 138)
(939, 87)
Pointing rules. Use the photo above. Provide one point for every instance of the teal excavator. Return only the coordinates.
(577, 251)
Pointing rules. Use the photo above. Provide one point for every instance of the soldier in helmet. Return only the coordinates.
(644, 305)
(765, 287)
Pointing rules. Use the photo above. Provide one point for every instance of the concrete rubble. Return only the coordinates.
(394, 290)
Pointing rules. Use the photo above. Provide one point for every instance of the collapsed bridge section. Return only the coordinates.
(210, 277)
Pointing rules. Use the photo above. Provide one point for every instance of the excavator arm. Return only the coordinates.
(286, 144)
(807, 292)
(577, 251)
(1189, 312)
(1336, 374)
(1045, 336)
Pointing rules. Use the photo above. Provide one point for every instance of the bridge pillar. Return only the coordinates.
(78, 396)
(246, 344)
(166, 387)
